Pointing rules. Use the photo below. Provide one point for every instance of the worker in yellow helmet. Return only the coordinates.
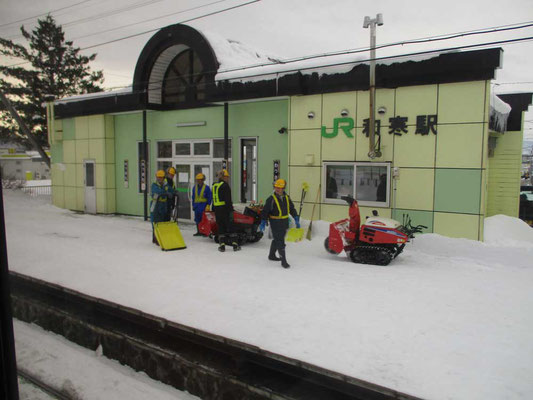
(162, 193)
(276, 210)
(223, 208)
(201, 199)
(172, 206)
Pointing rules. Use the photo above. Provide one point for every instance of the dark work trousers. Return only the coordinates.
(279, 229)
(222, 215)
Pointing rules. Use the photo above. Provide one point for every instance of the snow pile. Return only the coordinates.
(499, 113)
(501, 230)
(42, 182)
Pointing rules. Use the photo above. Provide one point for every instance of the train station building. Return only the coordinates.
(448, 149)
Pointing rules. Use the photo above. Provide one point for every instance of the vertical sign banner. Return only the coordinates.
(276, 170)
(126, 174)
(143, 175)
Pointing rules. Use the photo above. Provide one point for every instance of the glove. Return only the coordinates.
(297, 221)
(262, 226)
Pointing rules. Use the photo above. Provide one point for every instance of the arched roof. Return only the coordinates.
(161, 50)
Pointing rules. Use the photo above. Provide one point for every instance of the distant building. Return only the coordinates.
(449, 149)
(19, 164)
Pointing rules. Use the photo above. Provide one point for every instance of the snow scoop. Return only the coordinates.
(297, 234)
(308, 236)
(168, 236)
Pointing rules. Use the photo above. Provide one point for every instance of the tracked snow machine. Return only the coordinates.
(245, 225)
(378, 241)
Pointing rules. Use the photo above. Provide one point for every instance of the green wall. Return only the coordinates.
(504, 175)
(260, 120)
(442, 178)
(75, 140)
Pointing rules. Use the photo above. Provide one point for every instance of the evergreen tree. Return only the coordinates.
(50, 66)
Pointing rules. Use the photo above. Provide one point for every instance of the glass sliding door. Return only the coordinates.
(185, 181)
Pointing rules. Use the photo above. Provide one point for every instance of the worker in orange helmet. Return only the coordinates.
(276, 210)
(172, 206)
(223, 208)
(201, 199)
(162, 193)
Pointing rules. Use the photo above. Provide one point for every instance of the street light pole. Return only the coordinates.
(368, 22)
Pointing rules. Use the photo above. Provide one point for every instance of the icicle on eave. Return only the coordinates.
(499, 114)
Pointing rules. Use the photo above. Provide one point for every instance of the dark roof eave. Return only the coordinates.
(444, 68)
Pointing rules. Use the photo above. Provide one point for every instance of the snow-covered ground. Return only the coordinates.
(81, 373)
(449, 318)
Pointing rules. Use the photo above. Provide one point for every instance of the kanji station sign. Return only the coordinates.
(397, 126)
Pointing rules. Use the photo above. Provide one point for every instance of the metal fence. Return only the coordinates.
(44, 190)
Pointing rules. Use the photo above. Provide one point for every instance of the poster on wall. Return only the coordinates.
(143, 175)
(276, 170)
(126, 174)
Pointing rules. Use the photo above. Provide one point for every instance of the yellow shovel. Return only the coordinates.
(297, 234)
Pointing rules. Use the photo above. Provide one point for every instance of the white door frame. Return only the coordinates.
(90, 186)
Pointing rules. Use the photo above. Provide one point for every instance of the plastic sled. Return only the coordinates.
(295, 234)
(169, 236)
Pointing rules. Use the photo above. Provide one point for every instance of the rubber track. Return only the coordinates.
(259, 370)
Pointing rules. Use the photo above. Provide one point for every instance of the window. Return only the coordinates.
(202, 149)
(339, 181)
(183, 149)
(218, 148)
(184, 79)
(164, 165)
(368, 182)
(164, 149)
(371, 183)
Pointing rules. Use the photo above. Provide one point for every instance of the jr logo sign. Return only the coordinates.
(345, 124)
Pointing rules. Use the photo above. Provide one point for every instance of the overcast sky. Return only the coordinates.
(286, 28)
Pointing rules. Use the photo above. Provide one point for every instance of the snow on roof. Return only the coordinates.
(88, 96)
(233, 54)
(321, 64)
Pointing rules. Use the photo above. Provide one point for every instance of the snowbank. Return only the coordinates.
(501, 230)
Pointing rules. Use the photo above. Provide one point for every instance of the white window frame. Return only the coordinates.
(363, 203)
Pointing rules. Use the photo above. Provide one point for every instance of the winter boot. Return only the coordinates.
(154, 240)
(198, 232)
(272, 255)
(222, 248)
(284, 262)
(236, 246)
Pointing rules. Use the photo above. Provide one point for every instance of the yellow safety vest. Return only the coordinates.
(199, 198)
(281, 216)
(216, 201)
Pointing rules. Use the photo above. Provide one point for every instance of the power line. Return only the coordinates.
(407, 42)
(156, 29)
(101, 15)
(148, 20)
(42, 15)
(415, 54)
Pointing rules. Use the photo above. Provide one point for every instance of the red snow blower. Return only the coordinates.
(245, 226)
(378, 241)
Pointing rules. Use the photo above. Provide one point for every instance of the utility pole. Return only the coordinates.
(24, 128)
(368, 22)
